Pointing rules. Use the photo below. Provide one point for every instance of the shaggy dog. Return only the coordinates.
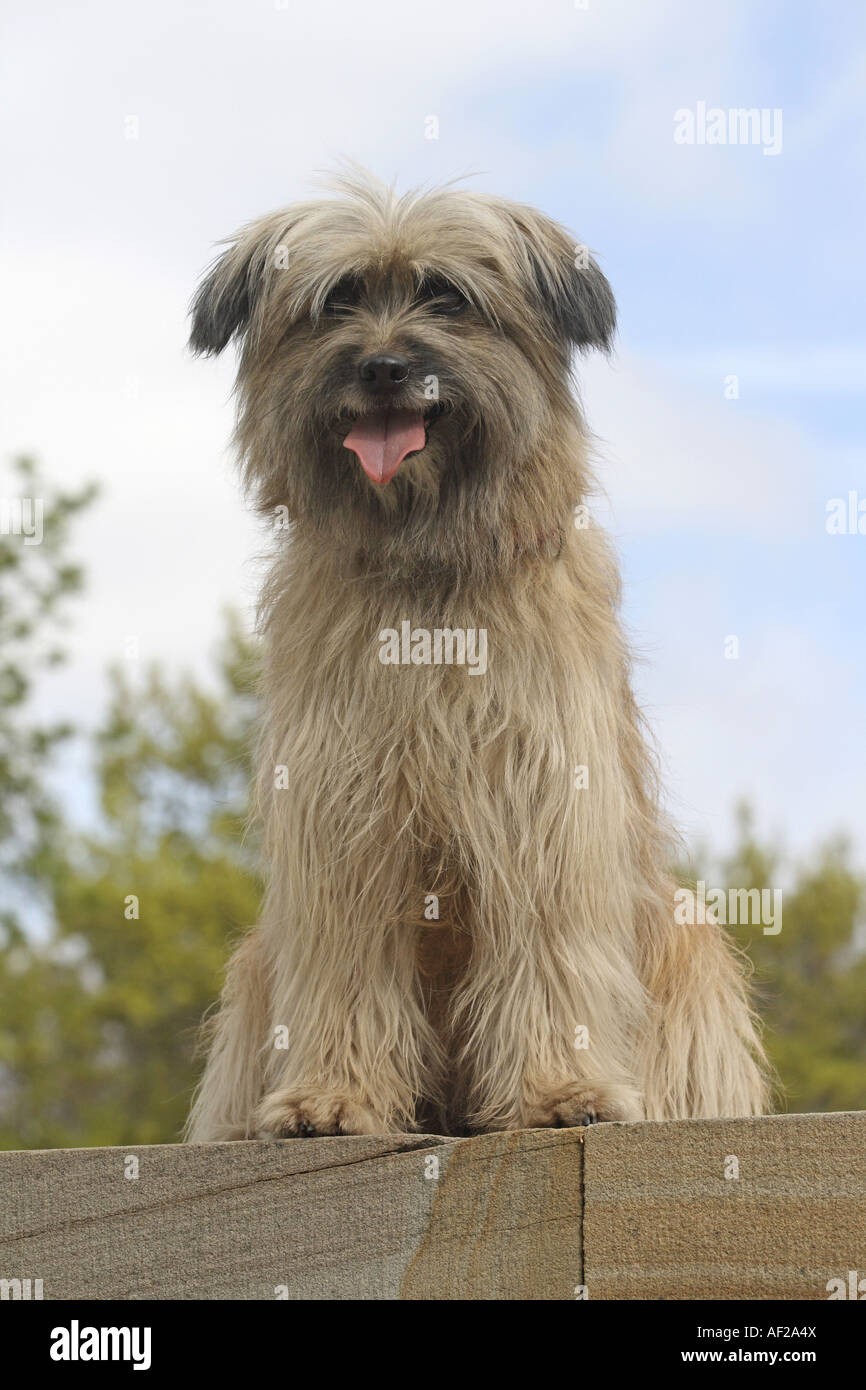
(469, 924)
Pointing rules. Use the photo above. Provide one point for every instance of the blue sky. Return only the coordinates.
(725, 261)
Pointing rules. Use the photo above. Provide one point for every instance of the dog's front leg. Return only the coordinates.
(551, 1006)
(541, 1055)
(349, 1041)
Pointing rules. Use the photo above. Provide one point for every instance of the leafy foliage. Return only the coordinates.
(811, 977)
(36, 579)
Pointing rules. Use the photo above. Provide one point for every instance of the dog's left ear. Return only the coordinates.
(567, 281)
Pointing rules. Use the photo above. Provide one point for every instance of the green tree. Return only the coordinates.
(37, 577)
(811, 976)
(144, 914)
(112, 944)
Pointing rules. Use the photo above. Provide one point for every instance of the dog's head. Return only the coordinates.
(405, 361)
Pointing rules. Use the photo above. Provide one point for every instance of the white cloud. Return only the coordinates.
(783, 725)
(99, 386)
(674, 457)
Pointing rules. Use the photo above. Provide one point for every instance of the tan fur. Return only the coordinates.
(556, 908)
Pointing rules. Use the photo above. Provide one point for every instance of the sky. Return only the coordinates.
(731, 413)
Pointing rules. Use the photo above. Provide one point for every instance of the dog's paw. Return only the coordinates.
(581, 1103)
(302, 1113)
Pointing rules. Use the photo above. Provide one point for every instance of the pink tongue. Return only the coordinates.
(382, 441)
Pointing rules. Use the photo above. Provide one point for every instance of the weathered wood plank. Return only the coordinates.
(666, 1217)
(743, 1209)
(321, 1218)
(505, 1222)
(412, 1216)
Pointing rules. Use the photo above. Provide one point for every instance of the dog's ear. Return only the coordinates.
(584, 306)
(566, 281)
(231, 299)
(224, 300)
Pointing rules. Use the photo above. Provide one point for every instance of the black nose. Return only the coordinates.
(384, 373)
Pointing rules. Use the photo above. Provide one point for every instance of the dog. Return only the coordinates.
(469, 919)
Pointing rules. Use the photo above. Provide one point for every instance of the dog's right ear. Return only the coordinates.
(224, 301)
(231, 298)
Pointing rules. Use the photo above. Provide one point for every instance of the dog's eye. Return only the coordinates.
(441, 297)
(344, 296)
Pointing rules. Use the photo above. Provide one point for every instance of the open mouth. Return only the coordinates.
(383, 438)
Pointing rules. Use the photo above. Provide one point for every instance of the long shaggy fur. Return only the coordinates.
(556, 909)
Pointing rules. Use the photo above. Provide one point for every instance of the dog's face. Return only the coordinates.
(404, 362)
